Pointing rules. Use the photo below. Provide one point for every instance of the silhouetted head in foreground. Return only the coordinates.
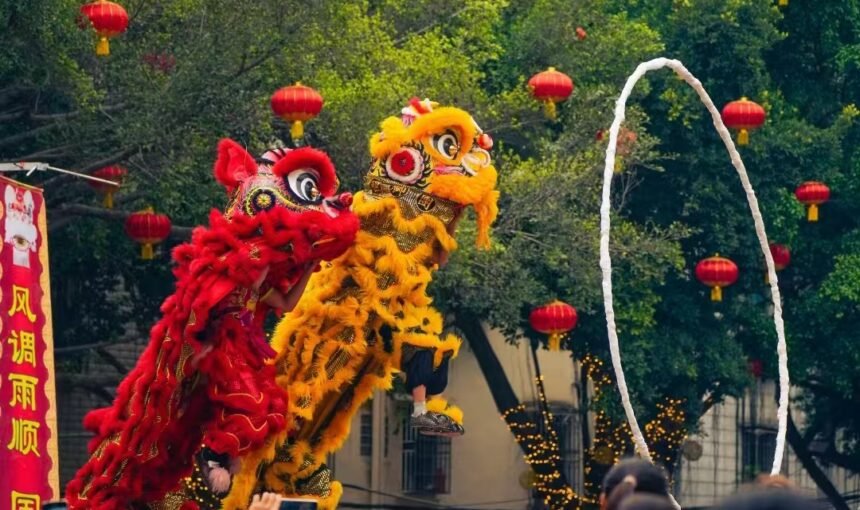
(769, 498)
(645, 501)
(631, 476)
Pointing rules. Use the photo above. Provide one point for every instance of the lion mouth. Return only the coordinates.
(452, 170)
(323, 241)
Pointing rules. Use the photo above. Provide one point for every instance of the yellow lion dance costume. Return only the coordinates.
(366, 315)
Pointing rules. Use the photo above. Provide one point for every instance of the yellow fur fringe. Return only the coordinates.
(332, 341)
(441, 406)
(394, 134)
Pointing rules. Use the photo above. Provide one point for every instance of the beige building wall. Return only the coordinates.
(486, 464)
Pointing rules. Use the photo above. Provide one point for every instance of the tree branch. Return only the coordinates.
(430, 26)
(13, 114)
(9, 140)
(814, 470)
(98, 391)
(89, 380)
(832, 456)
(176, 231)
(111, 360)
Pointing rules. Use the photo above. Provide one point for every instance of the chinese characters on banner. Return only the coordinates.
(28, 418)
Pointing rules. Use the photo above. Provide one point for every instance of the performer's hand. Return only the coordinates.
(268, 501)
(287, 299)
(219, 480)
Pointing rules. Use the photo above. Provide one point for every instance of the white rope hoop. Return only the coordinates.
(606, 262)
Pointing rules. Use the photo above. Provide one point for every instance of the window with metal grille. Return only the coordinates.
(566, 422)
(366, 435)
(758, 446)
(426, 463)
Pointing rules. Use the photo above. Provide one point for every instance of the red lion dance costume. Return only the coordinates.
(203, 380)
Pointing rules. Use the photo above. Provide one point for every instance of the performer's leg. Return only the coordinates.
(439, 380)
(421, 378)
(419, 371)
(419, 400)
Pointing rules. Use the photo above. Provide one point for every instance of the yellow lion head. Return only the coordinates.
(443, 152)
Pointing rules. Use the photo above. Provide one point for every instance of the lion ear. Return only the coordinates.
(233, 164)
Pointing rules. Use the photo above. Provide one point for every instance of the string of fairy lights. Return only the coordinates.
(542, 451)
(536, 433)
(666, 432)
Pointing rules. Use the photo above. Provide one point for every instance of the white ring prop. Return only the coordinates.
(606, 262)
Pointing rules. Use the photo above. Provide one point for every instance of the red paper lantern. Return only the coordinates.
(550, 87)
(109, 19)
(147, 228)
(162, 62)
(115, 173)
(623, 146)
(581, 34)
(717, 272)
(297, 104)
(781, 256)
(812, 193)
(755, 367)
(553, 319)
(743, 115)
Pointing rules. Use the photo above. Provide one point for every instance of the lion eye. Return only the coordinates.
(303, 184)
(447, 144)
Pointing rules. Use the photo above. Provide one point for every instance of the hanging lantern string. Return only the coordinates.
(606, 262)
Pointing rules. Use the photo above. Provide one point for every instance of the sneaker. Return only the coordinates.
(436, 424)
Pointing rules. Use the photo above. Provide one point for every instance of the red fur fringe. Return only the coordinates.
(146, 440)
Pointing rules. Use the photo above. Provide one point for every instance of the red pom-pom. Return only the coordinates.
(402, 163)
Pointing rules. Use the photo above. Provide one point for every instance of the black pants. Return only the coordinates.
(419, 372)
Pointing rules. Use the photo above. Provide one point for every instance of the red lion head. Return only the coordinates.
(284, 212)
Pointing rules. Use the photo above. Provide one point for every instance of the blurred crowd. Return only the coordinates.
(635, 484)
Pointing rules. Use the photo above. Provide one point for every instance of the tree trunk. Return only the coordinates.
(552, 484)
(814, 470)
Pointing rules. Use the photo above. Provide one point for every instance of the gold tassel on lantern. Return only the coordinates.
(812, 213)
(744, 137)
(103, 47)
(549, 109)
(783, 3)
(147, 252)
(297, 131)
(107, 202)
(554, 342)
(716, 293)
